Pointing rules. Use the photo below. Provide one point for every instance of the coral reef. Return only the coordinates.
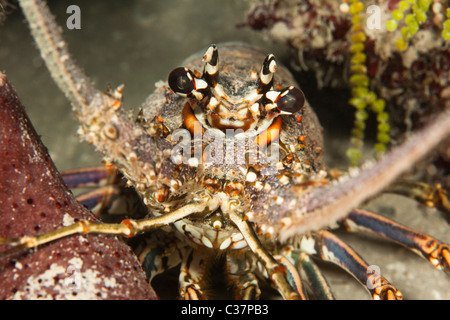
(393, 54)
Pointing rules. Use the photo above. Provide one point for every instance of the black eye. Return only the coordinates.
(181, 81)
(290, 100)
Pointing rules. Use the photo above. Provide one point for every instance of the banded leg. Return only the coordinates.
(435, 251)
(328, 247)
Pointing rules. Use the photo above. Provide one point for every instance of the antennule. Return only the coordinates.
(265, 79)
(211, 71)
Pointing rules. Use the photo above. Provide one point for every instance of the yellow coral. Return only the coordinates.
(446, 30)
(412, 20)
(401, 44)
(362, 96)
(391, 25)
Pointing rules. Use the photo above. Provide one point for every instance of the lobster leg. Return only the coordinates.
(102, 179)
(314, 276)
(106, 182)
(113, 202)
(159, 252)
(309, 271)
(89, 177)
(431, 196)
(277, 271)
(293, 275)
(192, 269)
(328, 247)
(435, 251)
(99, 199)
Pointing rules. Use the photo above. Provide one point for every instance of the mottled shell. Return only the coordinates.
(301, 132)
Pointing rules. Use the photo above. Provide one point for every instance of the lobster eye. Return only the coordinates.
(290, 100)
(181, 81)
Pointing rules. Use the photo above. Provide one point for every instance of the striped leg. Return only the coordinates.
(89, 177)
(99, 199)
(103, 179)
(292, 275)
(318, 285)
(108, 194)
(328, 247)
(435, 251)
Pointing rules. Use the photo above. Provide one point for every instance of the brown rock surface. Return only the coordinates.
(33, 200)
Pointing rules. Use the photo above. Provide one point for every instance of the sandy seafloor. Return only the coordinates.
(139, 42)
